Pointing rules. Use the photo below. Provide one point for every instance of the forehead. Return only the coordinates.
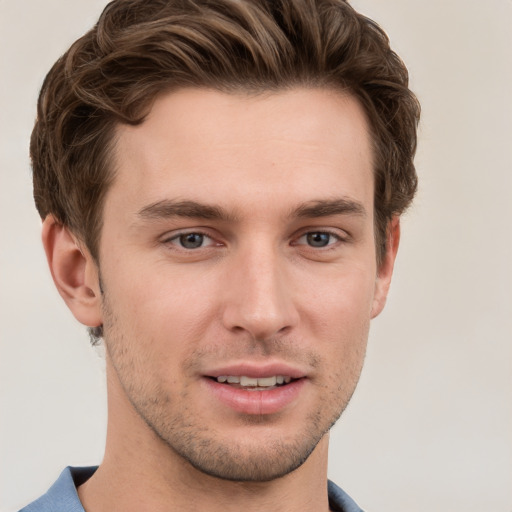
(210, 146)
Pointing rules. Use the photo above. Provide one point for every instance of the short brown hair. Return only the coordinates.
(142, 48)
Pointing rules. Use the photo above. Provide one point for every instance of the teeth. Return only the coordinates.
(263, 382)
(247, 381)
(267, 381)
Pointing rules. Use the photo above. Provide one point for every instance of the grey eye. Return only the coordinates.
(191, 240)
(318, 239)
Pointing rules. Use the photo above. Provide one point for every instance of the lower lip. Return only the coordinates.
(255, 402)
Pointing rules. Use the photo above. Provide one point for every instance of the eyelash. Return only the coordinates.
(337, 239)
(179, 236)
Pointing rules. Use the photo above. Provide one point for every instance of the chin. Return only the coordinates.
(256, 464)
(252, 458)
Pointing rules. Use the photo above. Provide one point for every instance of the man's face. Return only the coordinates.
(238, 262)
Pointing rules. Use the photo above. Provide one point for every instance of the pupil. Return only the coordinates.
(191, 240)
(318, 239)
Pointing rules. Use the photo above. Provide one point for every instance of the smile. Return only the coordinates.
(251, 395)
(254, 383)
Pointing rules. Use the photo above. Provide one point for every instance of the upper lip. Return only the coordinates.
(257, 370)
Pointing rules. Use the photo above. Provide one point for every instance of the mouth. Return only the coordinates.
(256, 389)
(254, 383)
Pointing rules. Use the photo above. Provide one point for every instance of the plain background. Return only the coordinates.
(430, 426)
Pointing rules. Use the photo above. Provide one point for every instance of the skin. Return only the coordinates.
(275, 195)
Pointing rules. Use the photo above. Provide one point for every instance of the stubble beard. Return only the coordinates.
(207, 453)
(200, 445)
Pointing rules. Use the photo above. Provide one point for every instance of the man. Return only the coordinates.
(220, 184)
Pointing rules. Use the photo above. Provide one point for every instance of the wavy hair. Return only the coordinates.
(140, 49)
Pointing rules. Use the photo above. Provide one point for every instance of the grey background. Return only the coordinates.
(430, 426)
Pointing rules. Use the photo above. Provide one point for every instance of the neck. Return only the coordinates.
(140, 471)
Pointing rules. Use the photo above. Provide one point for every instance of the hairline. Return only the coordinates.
(242, 90)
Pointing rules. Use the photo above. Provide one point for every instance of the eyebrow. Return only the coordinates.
(168, 208)
(327, 207)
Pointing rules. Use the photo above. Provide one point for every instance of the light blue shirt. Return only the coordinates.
(62, 495)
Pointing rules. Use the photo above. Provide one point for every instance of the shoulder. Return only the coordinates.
(62, 495)
(340, 501)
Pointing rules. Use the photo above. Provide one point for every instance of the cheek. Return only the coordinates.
(337, 316)
(342, 297)
(164, 314)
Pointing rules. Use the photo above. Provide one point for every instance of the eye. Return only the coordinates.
(318, 239)
(191, 240)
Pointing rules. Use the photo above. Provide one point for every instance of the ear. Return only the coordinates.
(385, 270)
(74, 272)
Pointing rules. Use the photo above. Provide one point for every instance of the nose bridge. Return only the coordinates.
(260, 298)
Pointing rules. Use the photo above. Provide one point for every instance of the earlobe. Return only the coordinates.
(74, 272)
(385, 271)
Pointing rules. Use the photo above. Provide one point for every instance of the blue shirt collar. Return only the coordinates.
(62, 495)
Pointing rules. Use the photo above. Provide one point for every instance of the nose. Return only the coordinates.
(259, 295)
